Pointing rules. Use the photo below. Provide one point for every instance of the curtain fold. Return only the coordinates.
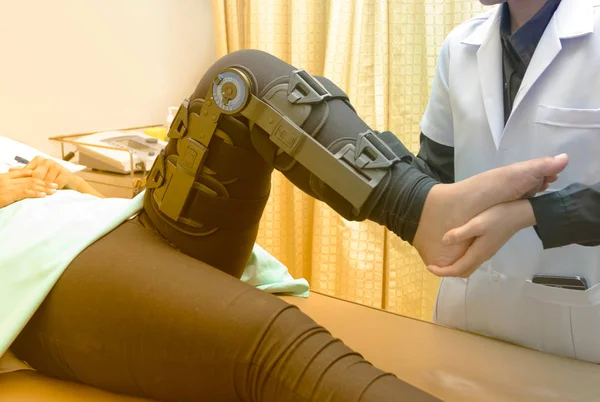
(383, 54)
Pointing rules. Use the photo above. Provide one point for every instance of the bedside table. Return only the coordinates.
(112, 185)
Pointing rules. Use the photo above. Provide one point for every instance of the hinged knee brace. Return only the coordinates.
(279, 119)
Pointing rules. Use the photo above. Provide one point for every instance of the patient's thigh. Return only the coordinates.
(133, 315)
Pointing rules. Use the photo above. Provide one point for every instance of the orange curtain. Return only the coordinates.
(383, 54)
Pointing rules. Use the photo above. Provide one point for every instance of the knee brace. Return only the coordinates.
(302, 126)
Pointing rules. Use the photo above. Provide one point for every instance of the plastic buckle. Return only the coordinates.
(303, 89)
(156, 176)
(370, 157)
(179, 125)
(179, 180)
(193, 157)
(376, 152)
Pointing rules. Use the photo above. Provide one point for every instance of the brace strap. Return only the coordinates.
(354, 172)
(222, 212)
(303, 88)
(231, 162)
(192, 150)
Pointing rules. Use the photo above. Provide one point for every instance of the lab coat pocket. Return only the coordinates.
(568, 117)
(577, 314)
(575, 132)
(495, 308)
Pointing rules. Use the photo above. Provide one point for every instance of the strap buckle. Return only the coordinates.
(180, 124)
(370, 157)
(305, 89)
(156, 176)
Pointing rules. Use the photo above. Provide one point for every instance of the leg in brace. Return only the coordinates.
(252, 113)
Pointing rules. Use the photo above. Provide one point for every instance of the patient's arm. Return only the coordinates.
(53, 172)
(33, 387)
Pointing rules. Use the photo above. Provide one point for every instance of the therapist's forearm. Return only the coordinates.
(436, 160)
(522, 214)
(568, 216)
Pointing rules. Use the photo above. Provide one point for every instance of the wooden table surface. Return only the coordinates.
(453, 365)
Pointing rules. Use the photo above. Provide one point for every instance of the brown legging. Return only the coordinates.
(134, 316)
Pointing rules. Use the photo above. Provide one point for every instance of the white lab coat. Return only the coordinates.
(557, 110)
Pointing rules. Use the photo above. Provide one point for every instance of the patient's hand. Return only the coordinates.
(51, 171)
(19, 184)
(450, 206)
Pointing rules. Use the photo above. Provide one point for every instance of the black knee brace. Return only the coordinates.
(252, 112)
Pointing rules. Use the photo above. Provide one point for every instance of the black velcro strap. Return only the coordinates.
(231, 162)
(395, 145)
(221, 212)
(381, 146)
(335, 91)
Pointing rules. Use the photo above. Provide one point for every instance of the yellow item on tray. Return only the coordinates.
(157, 132)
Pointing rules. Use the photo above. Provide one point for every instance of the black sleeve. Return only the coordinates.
(438, 158)
(568, 216)
(400, 210)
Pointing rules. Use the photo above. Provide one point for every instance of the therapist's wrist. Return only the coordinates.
(521, 213)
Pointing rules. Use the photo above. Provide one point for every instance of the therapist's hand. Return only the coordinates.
(450, 206)
(487, 233)
(19, 184)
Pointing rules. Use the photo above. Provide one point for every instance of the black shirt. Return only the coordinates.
(568, 216)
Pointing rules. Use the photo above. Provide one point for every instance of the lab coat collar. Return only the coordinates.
(573, 18)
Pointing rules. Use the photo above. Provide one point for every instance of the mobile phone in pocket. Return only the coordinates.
(564, 282)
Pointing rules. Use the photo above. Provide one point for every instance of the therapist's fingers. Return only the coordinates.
(546, 183)
(473, 228)
(463, 267)
(544, 187)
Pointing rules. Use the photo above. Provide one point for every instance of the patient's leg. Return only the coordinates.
(218, 220)
(132, 315)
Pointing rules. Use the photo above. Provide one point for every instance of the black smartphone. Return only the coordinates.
(565, 282)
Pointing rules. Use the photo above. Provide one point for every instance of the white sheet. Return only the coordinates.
(11, 148)
(40, 237)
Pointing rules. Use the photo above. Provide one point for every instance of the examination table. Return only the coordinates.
(453, 365)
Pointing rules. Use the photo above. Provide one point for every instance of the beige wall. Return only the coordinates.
(70, 66)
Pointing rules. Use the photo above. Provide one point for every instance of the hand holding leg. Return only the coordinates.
(486, 234)
(449, 206)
